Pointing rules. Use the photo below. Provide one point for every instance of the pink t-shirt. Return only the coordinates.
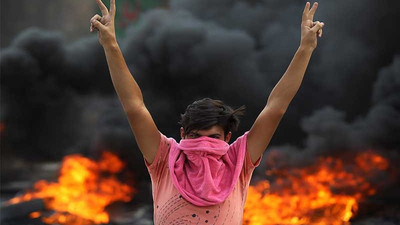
(170, 208)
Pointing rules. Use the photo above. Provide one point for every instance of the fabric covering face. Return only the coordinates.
(202, 171)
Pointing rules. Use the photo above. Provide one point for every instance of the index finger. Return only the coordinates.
(306, 8)
(102, 7)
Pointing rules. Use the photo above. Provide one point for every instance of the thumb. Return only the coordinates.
(318, 26)
(97, 24)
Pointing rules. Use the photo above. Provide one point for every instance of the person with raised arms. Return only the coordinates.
(203, 179)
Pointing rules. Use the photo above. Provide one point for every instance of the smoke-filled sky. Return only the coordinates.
(232, 50)
(57, 97)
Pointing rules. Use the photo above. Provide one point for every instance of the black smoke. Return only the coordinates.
(57, 98)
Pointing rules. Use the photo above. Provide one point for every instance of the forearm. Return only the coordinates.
(142, 124)
(289, 84)
(267, 122)
(125, 85)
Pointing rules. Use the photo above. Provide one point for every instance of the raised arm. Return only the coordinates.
(145, 131)
(266, 123)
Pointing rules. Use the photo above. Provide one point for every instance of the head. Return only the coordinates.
(209, 117)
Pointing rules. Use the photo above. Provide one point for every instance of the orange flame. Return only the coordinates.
(318, 194)
(81, 193)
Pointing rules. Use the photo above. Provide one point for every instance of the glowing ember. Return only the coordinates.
(2, 127)
(81, 193)
(325, 193)
(34, 215)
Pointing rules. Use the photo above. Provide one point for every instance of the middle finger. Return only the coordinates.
(312, 10)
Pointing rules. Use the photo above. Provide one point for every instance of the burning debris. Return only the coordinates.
(326, 193)
(83, 190)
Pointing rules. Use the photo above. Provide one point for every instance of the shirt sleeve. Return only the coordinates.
(248, 165)
(160, 163)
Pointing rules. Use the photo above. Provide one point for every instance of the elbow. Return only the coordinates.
(280, 112)
(134, 108)
(277, 107)
(276, 111)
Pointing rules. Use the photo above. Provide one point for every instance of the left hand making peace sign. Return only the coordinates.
(104, 24)
(310, 29)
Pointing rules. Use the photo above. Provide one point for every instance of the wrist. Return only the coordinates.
(110, 46)
(305, 48)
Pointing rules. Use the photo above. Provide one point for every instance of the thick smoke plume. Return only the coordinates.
(58, 99)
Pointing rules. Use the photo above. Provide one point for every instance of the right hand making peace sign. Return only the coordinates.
(310, 29)
(104, 24)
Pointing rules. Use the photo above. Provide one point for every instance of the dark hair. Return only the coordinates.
(205, 113)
